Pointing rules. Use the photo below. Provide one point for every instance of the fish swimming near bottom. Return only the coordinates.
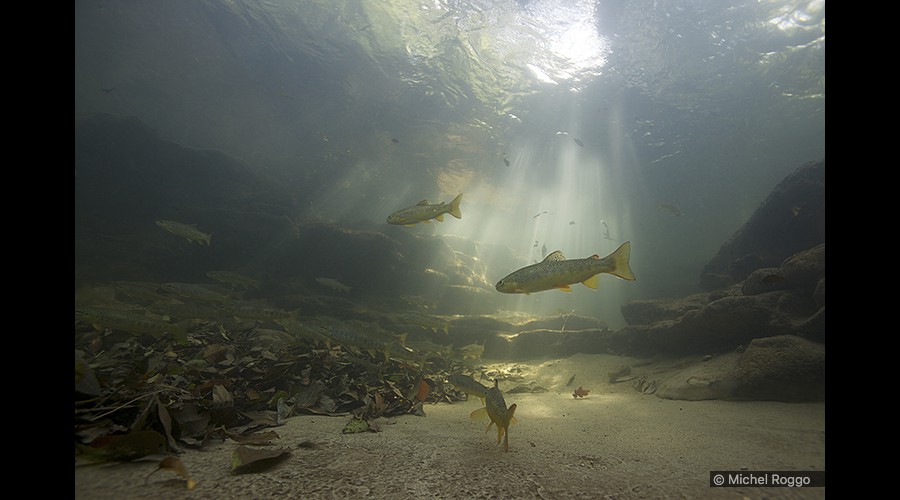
(495, 409)
(468, 385)
(424, 212)
(186, 231)
(556, 271)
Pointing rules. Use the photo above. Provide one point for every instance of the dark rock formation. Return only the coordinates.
(785, 300)
(783, 368)
(790, 220)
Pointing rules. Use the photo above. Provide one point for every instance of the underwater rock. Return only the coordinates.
(645, 312)
(711, 379)
(782, 300)
(534, 344)
(783, 368)
(790, 220)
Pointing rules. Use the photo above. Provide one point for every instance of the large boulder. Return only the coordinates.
(790, 220)
(787, 299)
(783, 368)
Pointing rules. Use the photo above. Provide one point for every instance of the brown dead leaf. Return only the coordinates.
(214, 353)
(248, 460)
(127, 447)
(221, 397)
(175, 465)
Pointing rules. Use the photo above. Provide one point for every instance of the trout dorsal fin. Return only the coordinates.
(423, 202)
(557, 255)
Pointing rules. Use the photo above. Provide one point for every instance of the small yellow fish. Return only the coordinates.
(557, 272)
(495, 409)
(186, 231)
(424, 212)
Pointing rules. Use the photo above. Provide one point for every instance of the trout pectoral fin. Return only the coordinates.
(440, 218)
(592, 282)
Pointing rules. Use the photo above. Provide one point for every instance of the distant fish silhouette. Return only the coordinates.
(669, 209)
(578, 141)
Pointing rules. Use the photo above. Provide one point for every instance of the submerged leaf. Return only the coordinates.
(221, 397)
(126, 447)
(175, 465)
(166, 420)
(247, 460)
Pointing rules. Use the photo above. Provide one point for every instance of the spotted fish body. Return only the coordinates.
(186, 231)
(500, 415)
(424, 212)
(468, 385)
(555, 271)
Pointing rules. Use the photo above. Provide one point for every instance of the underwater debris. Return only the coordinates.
(571, 379)
(230, 379)
(644, 386)
(175, 465)
(246, 460)
(125, 447)
(581, 392)
(605, 230)
(420, 390)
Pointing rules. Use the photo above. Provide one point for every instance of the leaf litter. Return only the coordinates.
(140, 395)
